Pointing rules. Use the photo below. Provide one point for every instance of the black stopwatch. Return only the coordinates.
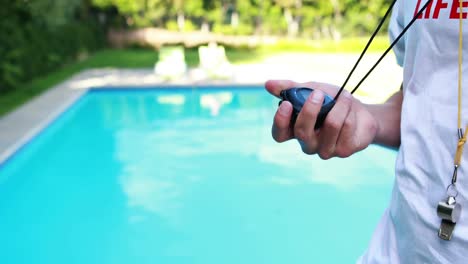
(297, 97)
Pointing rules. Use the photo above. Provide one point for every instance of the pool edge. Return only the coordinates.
(26, 133)
(20, 126)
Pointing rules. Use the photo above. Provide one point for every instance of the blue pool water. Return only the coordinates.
(184, 176)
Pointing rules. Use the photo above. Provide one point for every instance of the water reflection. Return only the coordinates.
(214, 102)
(177, 99)
(367, 168)
(126, 109)
(154, 195)
(188, 142)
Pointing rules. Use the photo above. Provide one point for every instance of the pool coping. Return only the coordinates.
(20, 126)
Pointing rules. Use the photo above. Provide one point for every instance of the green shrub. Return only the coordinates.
(30, 48)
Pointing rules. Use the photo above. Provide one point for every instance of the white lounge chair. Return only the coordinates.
(171, 63)
(214, 63)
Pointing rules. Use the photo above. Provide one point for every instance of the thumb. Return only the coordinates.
(276, 86)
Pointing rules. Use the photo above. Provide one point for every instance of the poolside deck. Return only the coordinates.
(19, 126)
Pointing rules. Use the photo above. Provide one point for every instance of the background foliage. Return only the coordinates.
(38, 36)
(311, 18)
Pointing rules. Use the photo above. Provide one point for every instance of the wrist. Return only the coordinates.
(387, 124)
(378, 131)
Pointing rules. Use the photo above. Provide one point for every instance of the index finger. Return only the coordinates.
(276, 86)
(329, 89)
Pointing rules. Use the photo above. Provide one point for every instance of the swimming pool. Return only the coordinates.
(181, 175)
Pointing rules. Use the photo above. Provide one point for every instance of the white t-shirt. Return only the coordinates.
(407, 232)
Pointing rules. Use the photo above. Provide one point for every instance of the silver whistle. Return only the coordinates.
(450, 213)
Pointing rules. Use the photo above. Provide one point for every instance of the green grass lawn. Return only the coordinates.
(140, 58)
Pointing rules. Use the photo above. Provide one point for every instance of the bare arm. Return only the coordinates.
(388, 116)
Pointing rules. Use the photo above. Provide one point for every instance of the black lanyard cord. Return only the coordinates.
(386, 51)
(367, 46)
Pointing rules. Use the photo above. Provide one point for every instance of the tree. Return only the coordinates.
(290, 10)
(137, 12)
(39, 36)
(54, 12)
(183, 8)
(316, 18)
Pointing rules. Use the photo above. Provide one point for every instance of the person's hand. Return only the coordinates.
(348, 128)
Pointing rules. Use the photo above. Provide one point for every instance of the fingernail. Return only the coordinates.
(285, 109)
(316, 97)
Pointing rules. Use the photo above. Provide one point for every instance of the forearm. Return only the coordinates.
(388, 117)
